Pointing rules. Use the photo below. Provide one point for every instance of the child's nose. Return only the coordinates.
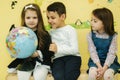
(49, 20)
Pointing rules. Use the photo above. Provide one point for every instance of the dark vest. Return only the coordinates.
(102, 46)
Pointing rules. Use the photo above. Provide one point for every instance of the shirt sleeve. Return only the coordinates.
(92, 49)
(70, 46)
(112, 51)
(40, 55)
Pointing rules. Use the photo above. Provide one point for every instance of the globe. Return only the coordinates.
(21, 42)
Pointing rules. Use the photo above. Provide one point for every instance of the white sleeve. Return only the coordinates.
(70, 46)
(92, 49)
(40, 55)
(112, 51)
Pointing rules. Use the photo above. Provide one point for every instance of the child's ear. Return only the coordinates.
(63, 16)
(12, 27)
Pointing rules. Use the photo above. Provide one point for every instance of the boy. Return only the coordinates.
(67, 60)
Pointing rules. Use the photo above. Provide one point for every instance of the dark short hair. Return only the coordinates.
(58, 7)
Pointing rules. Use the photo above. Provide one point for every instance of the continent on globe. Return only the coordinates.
(21, 42)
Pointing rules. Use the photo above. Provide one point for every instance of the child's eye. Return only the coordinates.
(34, 17)
(27, 17)
(52, 17)
(95, 21)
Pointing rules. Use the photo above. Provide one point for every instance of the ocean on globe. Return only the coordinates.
(21, 42)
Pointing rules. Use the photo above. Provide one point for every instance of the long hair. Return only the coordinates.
(41, 32)
(106, 16)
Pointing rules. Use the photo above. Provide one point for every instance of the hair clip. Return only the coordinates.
(29, 6)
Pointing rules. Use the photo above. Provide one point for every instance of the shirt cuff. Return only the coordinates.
(40, 55)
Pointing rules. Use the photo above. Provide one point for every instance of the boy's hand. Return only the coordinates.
(53, 47)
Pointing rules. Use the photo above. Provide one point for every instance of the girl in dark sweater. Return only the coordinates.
(39, 63)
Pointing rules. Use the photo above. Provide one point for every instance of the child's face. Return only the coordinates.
(97, 24)
(31, 19)
(55, 20)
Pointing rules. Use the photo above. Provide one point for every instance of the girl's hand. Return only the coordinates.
(99, 71)
(105, 67)
(35, 54)
(99, 74)
(53, 47)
